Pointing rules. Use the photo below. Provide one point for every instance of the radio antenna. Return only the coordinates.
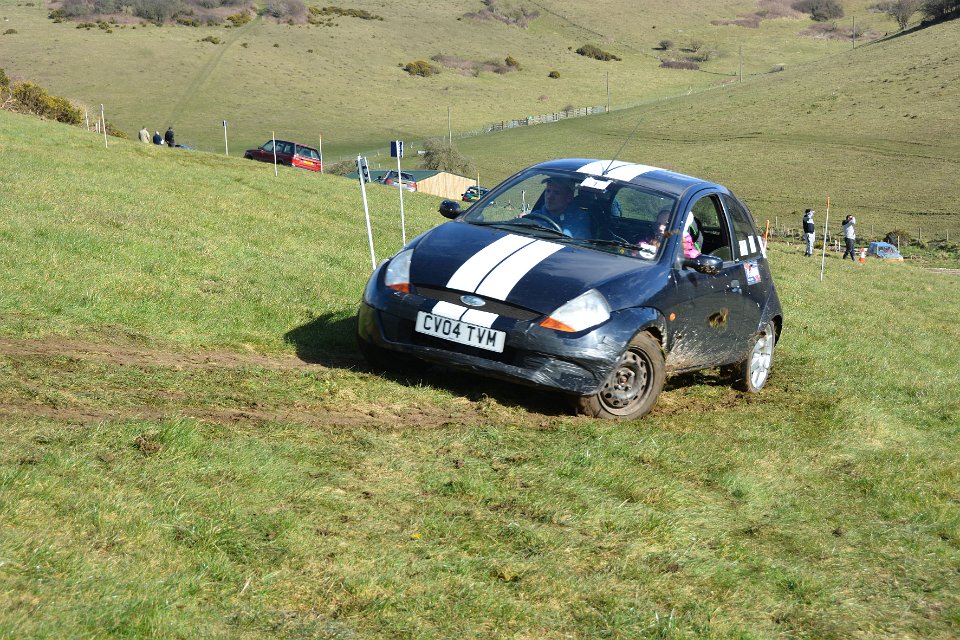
(617, 154)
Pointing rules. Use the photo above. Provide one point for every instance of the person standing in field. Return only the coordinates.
(168, 137)
(809, 230)
(144, 136)
(849, 236)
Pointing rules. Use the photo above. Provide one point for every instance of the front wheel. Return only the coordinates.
(634, 385)
(752, 374)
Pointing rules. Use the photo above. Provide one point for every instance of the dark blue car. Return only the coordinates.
(594, 278)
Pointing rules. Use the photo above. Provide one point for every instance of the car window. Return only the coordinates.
(746, 240)
(634, 204)
(307, 152)
(711, 221)
(600, 213)
(268, 145)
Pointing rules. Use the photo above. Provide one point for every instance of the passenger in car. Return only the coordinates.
(692, 238)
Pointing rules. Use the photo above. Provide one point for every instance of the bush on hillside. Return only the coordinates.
(342, 168)
(553, 74)
(665, 45)
(421, 68)
(510, 61)
(898, 237)
(689, 65)
(32, 98)
(239, 19)
(332, 12)
(440, 155)
(820, 10)
(285, 9)
(940, 9)
(521, 17)
(158, 11)
(899, 10)
(590, 51)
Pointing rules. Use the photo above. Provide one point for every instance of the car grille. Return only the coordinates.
(492, 306)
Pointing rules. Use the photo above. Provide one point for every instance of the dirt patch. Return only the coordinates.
(467, 413)
(132, 355)
(950, 272)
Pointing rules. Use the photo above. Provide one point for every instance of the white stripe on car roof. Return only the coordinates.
(475, 269)
(618, 170)
(500, 281)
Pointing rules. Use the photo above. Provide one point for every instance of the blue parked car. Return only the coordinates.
(592, 278)
(884, 250)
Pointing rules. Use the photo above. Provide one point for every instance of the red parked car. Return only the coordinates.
(291, 154)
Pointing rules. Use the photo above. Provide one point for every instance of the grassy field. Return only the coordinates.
(191, 446)
(870, 128)
(344, 82)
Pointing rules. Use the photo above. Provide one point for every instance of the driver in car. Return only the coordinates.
(558, 206)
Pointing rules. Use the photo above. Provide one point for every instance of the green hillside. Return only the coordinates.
(873, 128)
(344, 82)
(191, 447)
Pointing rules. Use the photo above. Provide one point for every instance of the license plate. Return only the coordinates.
(460, 332)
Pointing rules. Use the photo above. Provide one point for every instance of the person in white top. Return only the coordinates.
(849, 236)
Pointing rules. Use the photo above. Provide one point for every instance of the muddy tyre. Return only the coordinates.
(634, 385)
(752, 374)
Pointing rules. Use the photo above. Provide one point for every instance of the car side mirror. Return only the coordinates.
(710, 265)
(450, 209)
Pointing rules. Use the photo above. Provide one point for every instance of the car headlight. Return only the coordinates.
(397, 276)
(584, 311)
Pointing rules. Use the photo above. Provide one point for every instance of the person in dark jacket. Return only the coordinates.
(168, 137)
(809, 230)
(157, 138)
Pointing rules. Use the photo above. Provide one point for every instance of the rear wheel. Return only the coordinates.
(634, 385)
(751, 374)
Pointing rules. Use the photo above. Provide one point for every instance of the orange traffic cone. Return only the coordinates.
(863, 255)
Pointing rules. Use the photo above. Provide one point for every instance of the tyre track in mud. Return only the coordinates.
(467, 413)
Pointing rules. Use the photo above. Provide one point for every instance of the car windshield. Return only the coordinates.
(599, 213)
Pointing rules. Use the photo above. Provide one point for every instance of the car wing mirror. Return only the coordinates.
(450, 209)
(710, 265)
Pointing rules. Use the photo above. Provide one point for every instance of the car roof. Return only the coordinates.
(663, 180)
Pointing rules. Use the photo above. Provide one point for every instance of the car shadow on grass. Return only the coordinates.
(329, 340)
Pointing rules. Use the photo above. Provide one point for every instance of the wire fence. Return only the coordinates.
(544, 118)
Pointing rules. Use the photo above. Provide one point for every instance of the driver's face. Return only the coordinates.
(556, 197)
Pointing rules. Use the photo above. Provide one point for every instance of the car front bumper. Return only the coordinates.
(576, 363)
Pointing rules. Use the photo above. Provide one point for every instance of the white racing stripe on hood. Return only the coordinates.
(474, 270)
(448, 310)
(500, 281)
(456, 312)
(618, 170)
(481, 318)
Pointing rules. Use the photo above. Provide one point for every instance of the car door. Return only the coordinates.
(707, 324)
(265, 152)
(750, 255)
